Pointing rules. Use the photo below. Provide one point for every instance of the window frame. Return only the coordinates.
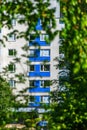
(43, 68)
(12, 52)
(31, 52)
(13, 22)
(12, 37)
(31, 70)
(44, 99)
(43, 83)
(32, 35)
(12, 67)
(31, 99)
(12, 83)
(45, 53)
(43, 37)
(30, 83)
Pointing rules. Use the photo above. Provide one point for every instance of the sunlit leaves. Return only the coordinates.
(29, 11)
(6, 101)
(71, 111)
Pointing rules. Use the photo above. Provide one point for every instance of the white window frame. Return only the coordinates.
(13, 22)
(42, 68)
(40, 22)
(45, 99)
(49, 23)
(14, 52)
(14, 67)
(12, 83)
(44, 52)
(42, 83)
(43, 37)
(12, 38)
(61, 56)
(31, 86)
(31, 53)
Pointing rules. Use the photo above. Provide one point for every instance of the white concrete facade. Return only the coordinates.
(21, 68)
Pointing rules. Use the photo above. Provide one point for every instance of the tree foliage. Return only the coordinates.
(70, 112)
(25, 12)
(6, 101)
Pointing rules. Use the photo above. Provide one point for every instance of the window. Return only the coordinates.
(32, 68)
(11, 52)
(12, 83)
(32, 37)
(12, 37)
(43, 37)
(45, 83)
(32, 83)
(48, 22)
(61, 56)
(32, 99)
(32, 53)
(45, 67)
(13, 22)
(44, 99)
(44, 53)
(11, 67)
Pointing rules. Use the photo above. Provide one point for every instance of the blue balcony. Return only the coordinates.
(39, 55)
(40, 71)
(38, 88)
(39, 100)
(36, 102)
(38, 42)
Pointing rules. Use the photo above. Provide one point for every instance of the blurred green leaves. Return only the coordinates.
(70, 112)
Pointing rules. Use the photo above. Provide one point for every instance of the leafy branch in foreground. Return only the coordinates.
(70, 112)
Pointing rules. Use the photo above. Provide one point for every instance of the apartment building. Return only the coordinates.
(40, 55)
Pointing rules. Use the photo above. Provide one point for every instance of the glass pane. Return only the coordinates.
(46, 67)
(44, 52)
(11, 52)
(32, 83)
(31, 67)
(42, 67)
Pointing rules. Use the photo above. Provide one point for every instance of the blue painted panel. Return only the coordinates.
(37, 83)
(45, 74)
(37, 98)
(40, 74)
(35, 59)
(37, 68)
(36, 103)
(39, 26)
(38, 88)
(37, 42)
(37, 56)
